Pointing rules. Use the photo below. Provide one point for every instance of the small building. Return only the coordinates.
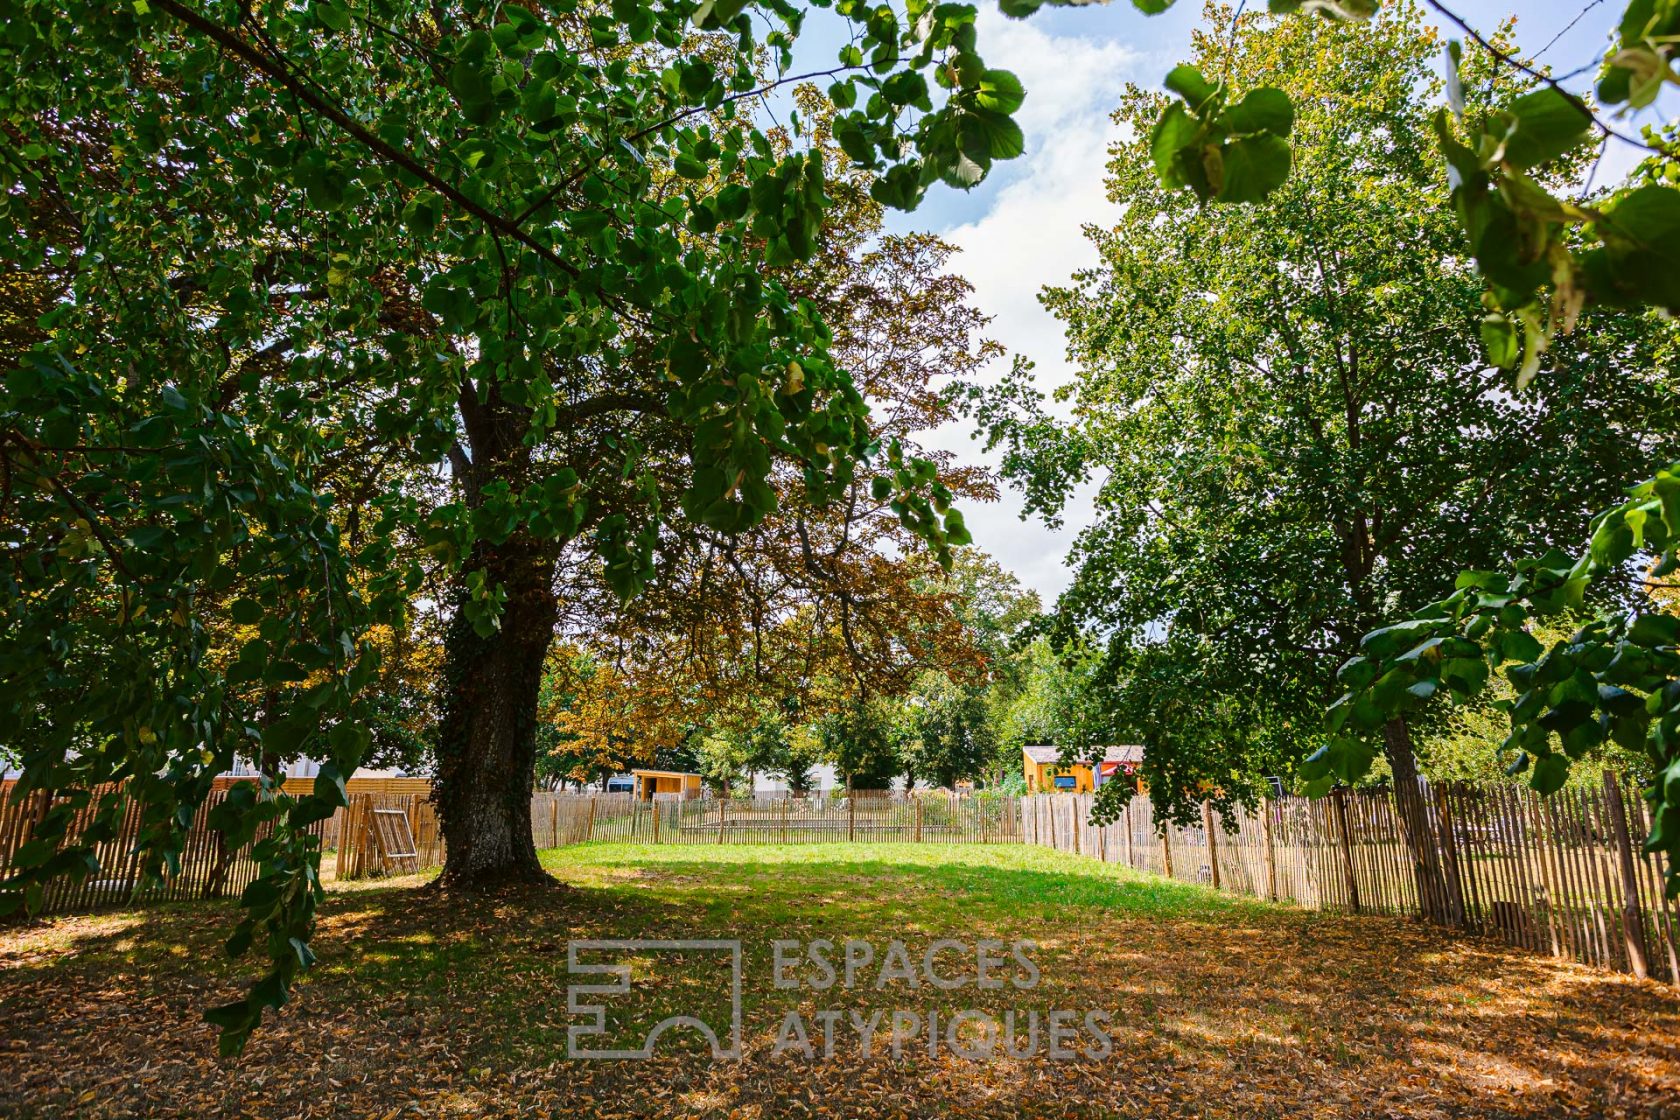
(1041, 764)
(1120, 764)
(665, 783)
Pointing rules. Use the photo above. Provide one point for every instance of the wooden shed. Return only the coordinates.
(674, 783)
(1041, 765)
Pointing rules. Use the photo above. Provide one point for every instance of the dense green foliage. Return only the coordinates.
(530, 242)
(1292, 419)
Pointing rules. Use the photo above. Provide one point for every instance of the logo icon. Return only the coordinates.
(578, 1035)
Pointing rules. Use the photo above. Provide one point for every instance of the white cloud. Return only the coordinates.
(1029, 237)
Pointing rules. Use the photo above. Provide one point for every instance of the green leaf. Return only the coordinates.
(1262, 110)
(1551, 771)
(1387, 642)
(1500, 340)
(994, 134)
(229, 1016)
(1188, 83)
(1545, 124)
(1254, 167)
(329, 786)
(999, 91)
(1655, 630)
(286, 736)
(332, 17)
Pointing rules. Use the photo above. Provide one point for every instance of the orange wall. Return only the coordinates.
(1041, 776)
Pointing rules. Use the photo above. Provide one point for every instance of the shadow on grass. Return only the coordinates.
(1221, 1006)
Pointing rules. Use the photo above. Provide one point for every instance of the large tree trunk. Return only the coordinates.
(1435, 899)
(487, 739)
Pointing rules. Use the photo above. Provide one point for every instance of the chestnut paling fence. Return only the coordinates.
(356, 847)
(559, 819)
(1563, 875)
(207, 867)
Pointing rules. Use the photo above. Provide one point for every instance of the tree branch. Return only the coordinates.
(280, 73)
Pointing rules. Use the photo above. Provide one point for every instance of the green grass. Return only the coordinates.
(928, 886)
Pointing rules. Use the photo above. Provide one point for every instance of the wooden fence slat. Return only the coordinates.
(1537, 872)
(1633, 921)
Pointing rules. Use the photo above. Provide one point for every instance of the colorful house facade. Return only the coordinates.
(1042, 767)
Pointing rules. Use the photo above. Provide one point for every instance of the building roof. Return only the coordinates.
(1042, 753)
(664, 773)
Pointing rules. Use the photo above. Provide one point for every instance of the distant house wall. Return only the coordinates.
(1042, 768)
(1041, 777)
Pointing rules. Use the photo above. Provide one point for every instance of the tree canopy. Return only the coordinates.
(1292, 416)
(533, 243)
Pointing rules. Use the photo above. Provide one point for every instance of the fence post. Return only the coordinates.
(1166, 850)
(851, 815)
(1271, 850)
(589, 832)
(656, 818)
(918, 802)
(1339, 804)
(723, 814)
(1449, 859)
(345, 824)
(786, 806)
(1212, 844)
(1633, 921)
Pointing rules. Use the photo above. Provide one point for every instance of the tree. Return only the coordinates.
(1295, 421)
(858, 738)
(945, 733)
(952, 721)
(528, 242)
(816, 603)
(1545, 254)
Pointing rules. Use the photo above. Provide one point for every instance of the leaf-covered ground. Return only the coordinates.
(423, 1006)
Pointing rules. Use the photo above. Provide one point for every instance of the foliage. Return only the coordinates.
(858, 738)
(595, 722)
(530, 241)
(1615, 679)
(1293, 421)
(1544, 259)
(952, 723)
(944, 732)
(816, 603)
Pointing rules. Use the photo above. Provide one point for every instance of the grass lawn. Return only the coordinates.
(423, 1006)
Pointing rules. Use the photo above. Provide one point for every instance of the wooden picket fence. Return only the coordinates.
(1562, 875)
(208, 869)
(930, 818)
(559, 819)
(356, 838)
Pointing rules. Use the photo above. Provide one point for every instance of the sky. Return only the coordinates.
(1021, 230)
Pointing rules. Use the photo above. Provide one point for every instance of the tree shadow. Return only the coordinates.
(1219, 1006)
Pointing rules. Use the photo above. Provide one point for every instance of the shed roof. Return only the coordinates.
(664, 774)
(1042, 753)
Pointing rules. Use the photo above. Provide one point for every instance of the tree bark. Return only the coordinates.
(487, 737)
(1434, 900)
